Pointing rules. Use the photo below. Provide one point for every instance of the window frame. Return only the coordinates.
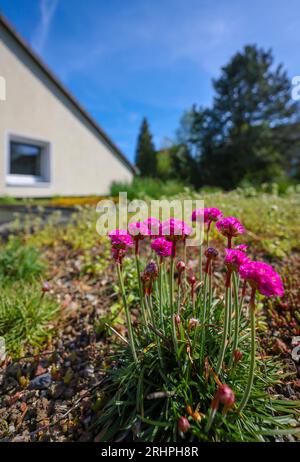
(44, 179)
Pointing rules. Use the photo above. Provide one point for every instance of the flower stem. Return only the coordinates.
(150, 305)
(247, 392)
(172, 304)
(229, 316)
(210, 294)
(225, 331)
(128, 317)
(200, 262)
(212, 413)
(203, 319)
(138, 270)
(237, 310)
(160, 287)
(178, 298)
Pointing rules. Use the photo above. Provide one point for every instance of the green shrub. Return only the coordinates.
(25, 315)
(147, 187)
(19, 261)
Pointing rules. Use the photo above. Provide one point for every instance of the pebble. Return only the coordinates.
(86, 422)
(91, 298)
(89, 371)
(69, 393)
(57, 390)
(41, 382)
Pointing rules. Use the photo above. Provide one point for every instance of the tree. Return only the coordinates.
(176, 163)
(235, 139)
(145, 158)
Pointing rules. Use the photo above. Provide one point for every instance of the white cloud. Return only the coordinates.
(47, 11)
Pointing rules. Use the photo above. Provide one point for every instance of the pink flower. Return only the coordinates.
(234, 259)
(209, 214)
(175, 230)
(241, 247)
(120, 239)
(230, 227)
(162, 247)
(138, 230)
(262, 277)
(213, 214)
(154, 226)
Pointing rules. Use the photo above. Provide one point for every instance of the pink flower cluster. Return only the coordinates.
(165, 236)
(175, 230)
(162, 247)
(262, 277)
(230, 227)
(209, 214)
(138, 230)
(120, 241)
(235, 259)
(154, 226)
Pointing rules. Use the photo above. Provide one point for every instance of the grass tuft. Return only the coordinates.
(25, 316)
(19, 261)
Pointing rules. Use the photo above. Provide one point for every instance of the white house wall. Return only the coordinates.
(81, 162)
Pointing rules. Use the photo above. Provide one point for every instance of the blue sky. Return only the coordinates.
(125, 59)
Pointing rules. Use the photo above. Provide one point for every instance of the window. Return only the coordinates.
(25, 159)
(28, 161)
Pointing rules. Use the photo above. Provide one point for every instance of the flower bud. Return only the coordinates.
(193, 322)
(177, 319)
(192, 279)
(180, 266)
(151, 270)
(225, 395)
(146, 281)
(46, 287)
(211, 253)
(238, 355)
(183, 424)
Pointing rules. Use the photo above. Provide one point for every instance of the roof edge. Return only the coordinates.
(57, 82)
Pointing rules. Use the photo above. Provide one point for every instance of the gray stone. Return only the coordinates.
(41, 382)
